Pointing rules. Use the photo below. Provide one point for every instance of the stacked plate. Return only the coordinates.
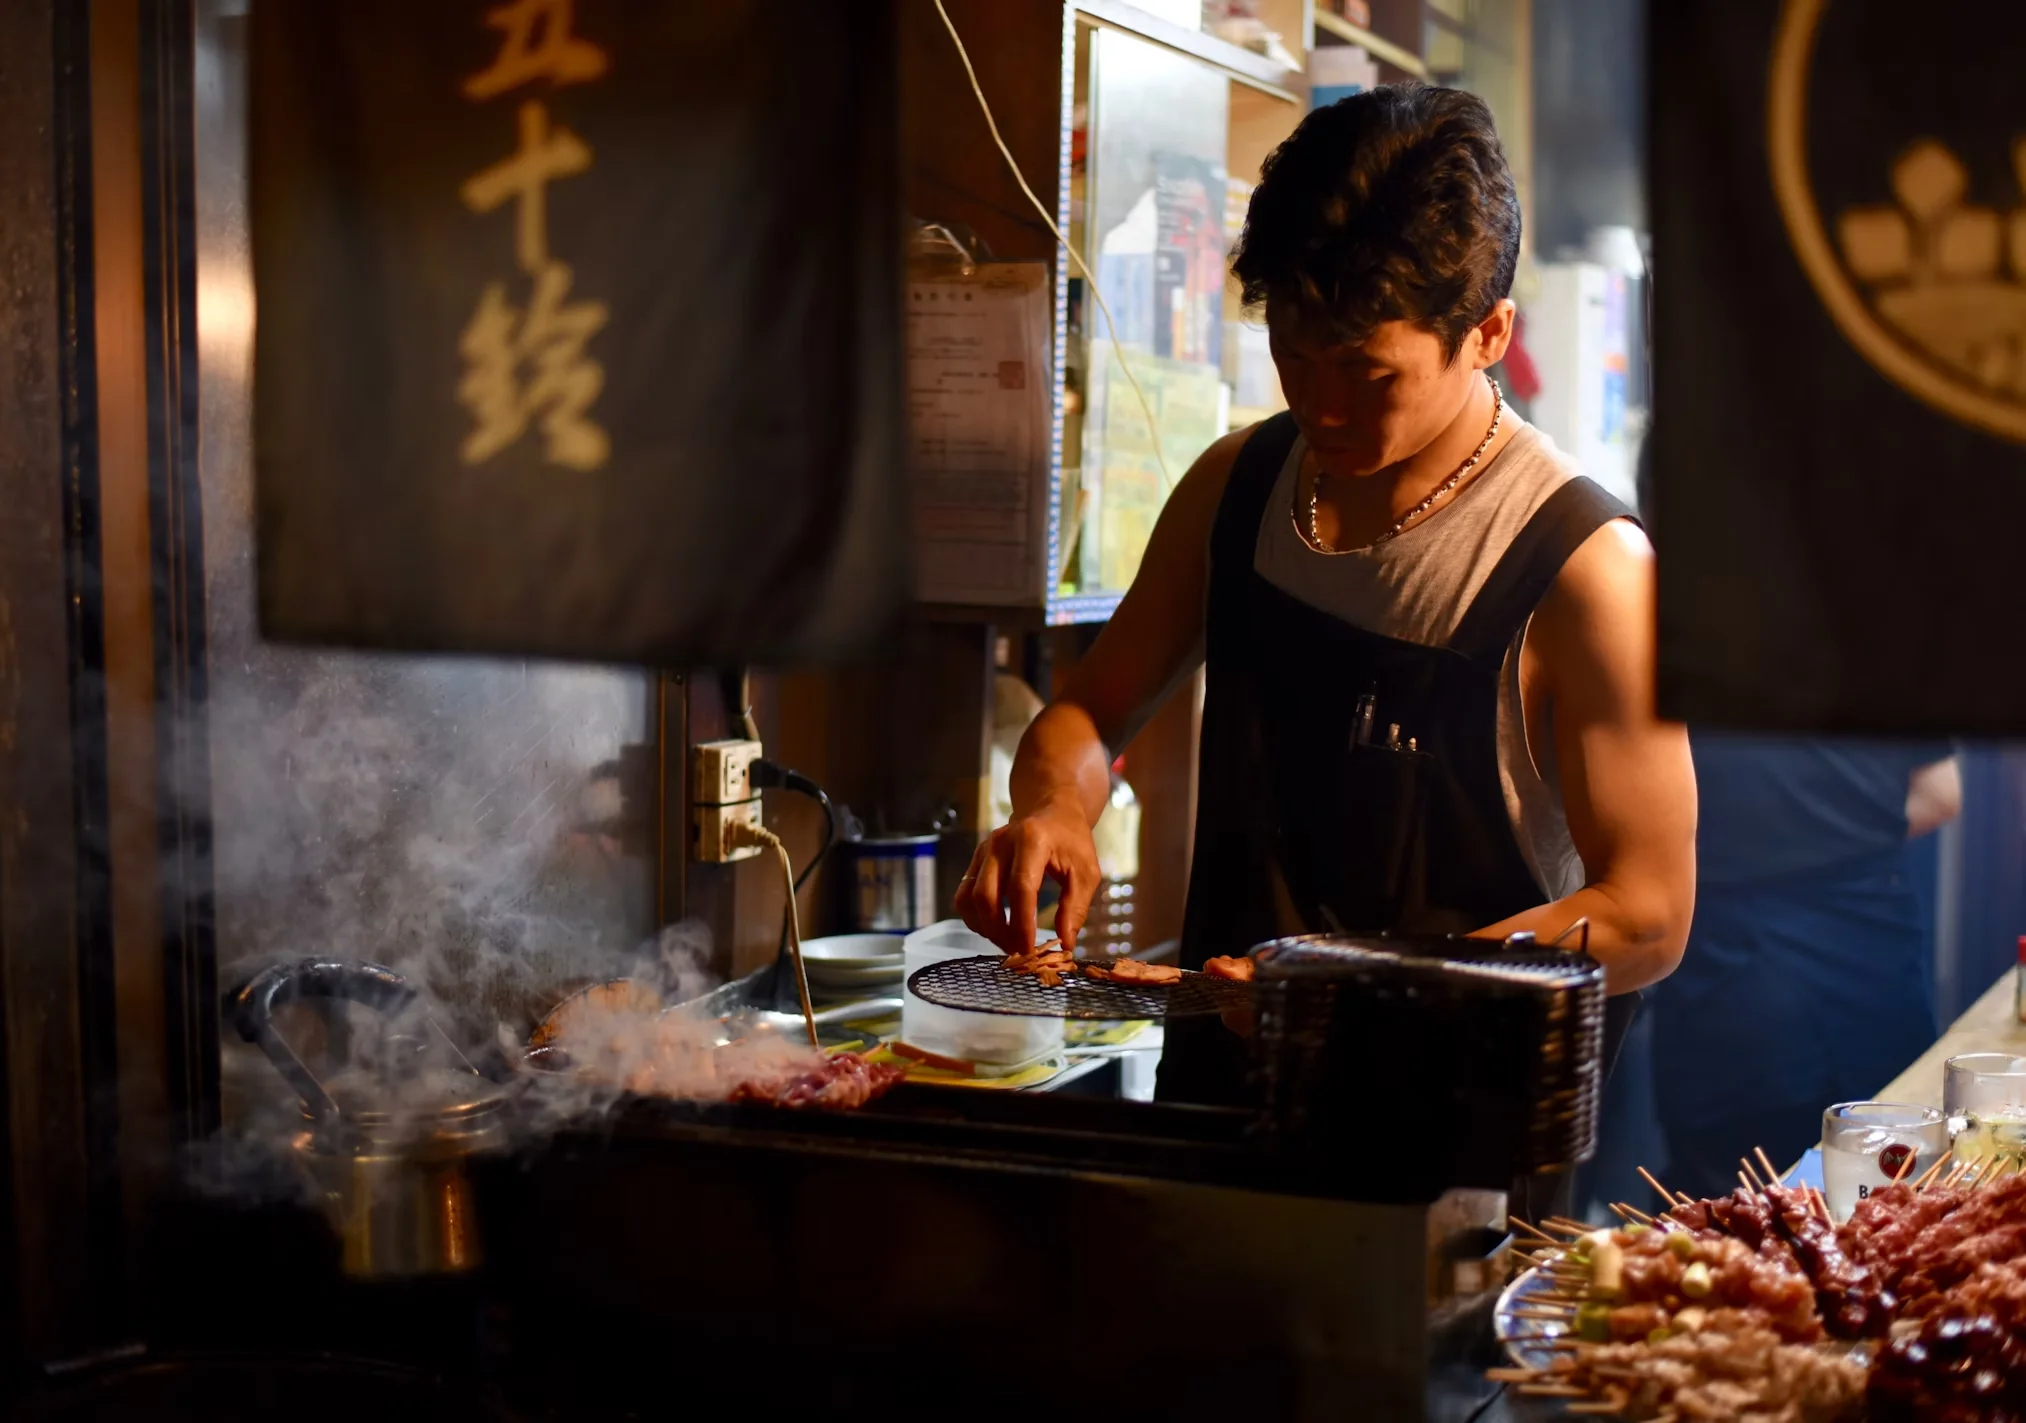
(848, 964)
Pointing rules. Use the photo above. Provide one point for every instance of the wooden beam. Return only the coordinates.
(61, 1262)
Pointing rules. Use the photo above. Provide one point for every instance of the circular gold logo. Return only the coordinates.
(1930, 286)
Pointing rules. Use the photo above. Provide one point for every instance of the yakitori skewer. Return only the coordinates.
(1933, 1171)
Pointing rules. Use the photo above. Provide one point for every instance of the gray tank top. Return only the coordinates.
(1416, 588)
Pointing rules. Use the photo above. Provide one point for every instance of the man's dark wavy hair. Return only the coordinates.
(1392, 205)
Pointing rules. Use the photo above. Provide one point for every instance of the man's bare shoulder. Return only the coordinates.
(1201, 489)
(1212, 468)
(1594, 631)
(1612, 570)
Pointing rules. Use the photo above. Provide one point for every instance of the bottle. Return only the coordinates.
(2019, 983)
(1108, 931)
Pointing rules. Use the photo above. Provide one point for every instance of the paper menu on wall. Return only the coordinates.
(980, 408)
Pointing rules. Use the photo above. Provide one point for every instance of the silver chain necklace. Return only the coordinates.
(1497, 413)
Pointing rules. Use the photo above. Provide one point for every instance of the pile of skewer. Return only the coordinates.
(1565, 1280)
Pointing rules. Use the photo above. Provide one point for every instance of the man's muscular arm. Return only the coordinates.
(1627, 783)
(1062, 774)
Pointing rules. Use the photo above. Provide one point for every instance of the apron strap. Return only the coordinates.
(1235, 535)
(1531, 563)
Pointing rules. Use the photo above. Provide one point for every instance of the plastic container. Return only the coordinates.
(991, 1038)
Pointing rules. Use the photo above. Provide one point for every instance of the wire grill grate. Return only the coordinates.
(980, 985)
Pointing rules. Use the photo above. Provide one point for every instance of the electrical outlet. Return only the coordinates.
(721, 772)
(710, 831)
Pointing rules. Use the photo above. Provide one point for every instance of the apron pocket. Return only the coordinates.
(1359, 850)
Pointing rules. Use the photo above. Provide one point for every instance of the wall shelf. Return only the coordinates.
(1383, 50)
(1243, 65)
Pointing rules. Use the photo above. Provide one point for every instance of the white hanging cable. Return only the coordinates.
(1089, 281)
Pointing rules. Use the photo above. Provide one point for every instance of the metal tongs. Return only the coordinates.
(1582, 945)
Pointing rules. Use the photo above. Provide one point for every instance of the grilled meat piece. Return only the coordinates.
(1133, 971)
(844, 1082)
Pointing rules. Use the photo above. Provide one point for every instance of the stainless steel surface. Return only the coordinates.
(450, 817)
(403, 1208)
(386, 1142)
(863, 1009)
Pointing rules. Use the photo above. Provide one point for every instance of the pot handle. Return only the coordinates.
(252, 1007)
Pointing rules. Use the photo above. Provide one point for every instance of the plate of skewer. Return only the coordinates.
(1756, 1307)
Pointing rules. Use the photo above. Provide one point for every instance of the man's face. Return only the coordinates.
(1364, 407)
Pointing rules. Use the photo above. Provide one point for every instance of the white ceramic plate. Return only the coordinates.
(853, 951)
(1524, 1338)
(854, 977)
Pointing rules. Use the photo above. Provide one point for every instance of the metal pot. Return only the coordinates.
(386, 1148)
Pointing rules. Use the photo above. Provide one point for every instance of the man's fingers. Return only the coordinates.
(988, 917)
(1023, 888)
(1079, 883)
(970, 908)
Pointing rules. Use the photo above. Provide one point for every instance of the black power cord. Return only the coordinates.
(772, 775)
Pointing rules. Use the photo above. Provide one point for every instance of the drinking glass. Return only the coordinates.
(1866, 1145)
(1984, 1094)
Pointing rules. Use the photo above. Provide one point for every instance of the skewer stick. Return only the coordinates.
(1904, 1167)
(1933, 1171)
(1776, 1177)
(1567, 1226)
(1751, 1176)
(1822, 1205)
(1665, 1194)
(1747, 1183)
(1533, 1230)
(1625, 1212)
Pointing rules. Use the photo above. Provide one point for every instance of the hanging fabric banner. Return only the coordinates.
(578, 327)
(1838, 457)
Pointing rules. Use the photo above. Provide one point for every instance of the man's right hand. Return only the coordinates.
(1062, 774)
(998, 893)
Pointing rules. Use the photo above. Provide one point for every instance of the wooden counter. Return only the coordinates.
(1988, 1025)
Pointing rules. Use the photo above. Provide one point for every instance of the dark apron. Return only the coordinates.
(1301, 829)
